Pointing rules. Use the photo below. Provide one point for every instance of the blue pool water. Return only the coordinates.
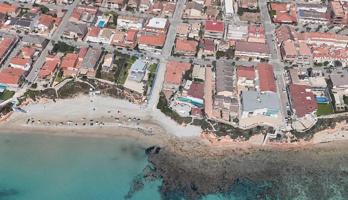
(101, 24)
(321, 99)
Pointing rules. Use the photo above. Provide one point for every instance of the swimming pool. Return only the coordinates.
(321, 99)
(101, 24)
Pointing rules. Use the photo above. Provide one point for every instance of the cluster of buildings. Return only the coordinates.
(304, 12)
(90, 24)
(18, 57)
(34, 20)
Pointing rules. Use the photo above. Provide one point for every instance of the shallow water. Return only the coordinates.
(36, 167)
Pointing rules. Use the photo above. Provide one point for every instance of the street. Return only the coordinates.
(275, 60)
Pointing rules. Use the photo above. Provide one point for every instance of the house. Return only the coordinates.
(93, 34)
(296, 52)
(224, 78)
(319, 38)
(23, 24)
(251, 50)
(195, 30)
(157, 25)
(27, 52)
(182, 30)
(246, 77)
(49, 68)
(9, 9)
(256, 33)
(138, 70)
(303, 101)
(185, 47)
(45, 23)
(194, 95)
(113, 4)
(144, 5)
(225, 108)
(129, 22)
(151, 42)
(284, 13)
(20, 63)
(237, 32)
(266, 78)
(209, 47)
(248, 4)
(156, 8)
(35, 40)
(338, 12)
(84, 14)
(75, 31)
(6, 44)
(168, 9)
(174, 74)
(212, 12)
(214, 29)
(228, 8)
(89, 63)
(339, 81)
(198, 72)
(194, 10)
(108, 62)
(131, 38)
(311, 16)
(68, 64)
(11, 78)
(133, 4)
(256, 104)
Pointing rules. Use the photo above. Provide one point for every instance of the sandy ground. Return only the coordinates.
(97, 116)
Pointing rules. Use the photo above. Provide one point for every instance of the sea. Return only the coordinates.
(42, 167)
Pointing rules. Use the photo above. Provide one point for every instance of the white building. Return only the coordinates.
(128, 22)
(228, 8)
(237, 32)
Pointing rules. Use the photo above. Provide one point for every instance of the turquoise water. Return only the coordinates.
(36, 167)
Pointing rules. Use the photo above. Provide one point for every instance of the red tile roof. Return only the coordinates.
(131, 35)
(246, 72)
(27, 52)
(46, 20)
(266, 77)
(83, 52)
(277, 6)
(152, 40)
(209, 45)
(69, 61)
(183, 45)
(48, 68)
(175, 71)
(302, 99)
(7, 8)
(252, 47)
(10, 75)
(19, 61)
(214, 26)
(5, 45)
(93, 31)
(196, 90)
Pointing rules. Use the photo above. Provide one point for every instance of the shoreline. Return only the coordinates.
(101, 116)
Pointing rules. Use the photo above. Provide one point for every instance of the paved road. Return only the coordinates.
(166, 51)
(275, 60)
(56, 35)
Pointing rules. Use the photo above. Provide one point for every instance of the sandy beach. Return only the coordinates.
(99, 116)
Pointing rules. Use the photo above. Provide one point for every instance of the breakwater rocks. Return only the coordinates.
(312, 173)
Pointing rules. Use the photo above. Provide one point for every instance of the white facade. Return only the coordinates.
(129, 22)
